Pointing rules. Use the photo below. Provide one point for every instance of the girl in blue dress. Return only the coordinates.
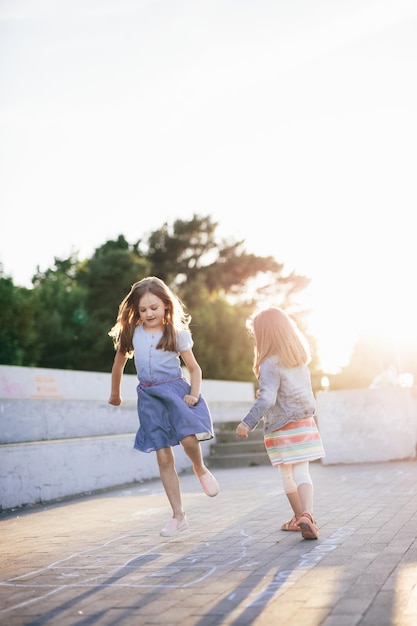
(153, 327)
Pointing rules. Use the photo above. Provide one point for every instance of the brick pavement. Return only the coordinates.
(99, 559)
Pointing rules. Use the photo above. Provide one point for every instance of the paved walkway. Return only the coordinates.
(100, 560)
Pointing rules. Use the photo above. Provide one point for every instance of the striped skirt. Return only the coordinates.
(294, 443)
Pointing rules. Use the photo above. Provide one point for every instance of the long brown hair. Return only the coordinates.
(128, 316)
(276, 334)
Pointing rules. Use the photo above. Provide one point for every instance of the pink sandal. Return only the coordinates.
(292, 524)
(308, 526)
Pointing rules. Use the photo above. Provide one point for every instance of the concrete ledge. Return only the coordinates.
(56, 469)
(40, 420)
(37, 383)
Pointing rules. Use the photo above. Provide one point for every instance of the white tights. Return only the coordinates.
(298, 487)
(294, 475)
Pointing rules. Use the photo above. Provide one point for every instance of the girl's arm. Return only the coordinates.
(195, 373)
(116, 378)
(269, 382)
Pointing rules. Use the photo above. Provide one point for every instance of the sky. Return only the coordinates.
(292, 123)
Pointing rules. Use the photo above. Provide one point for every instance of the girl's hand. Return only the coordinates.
(115, 400)
(190, 400)
(242, 430)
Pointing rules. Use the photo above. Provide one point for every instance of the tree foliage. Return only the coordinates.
(63, 322)
(59, 305)
(17, 328)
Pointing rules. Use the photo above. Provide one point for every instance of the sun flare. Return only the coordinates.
(382, 313)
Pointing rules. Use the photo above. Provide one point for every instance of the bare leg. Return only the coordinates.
(290, 488)
(305, 492)
(295, 503)
(170, 481)
(192, 449)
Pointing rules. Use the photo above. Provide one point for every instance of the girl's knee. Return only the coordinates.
(287, 478)
(190, 442)
(189, 439)
(165, 457)
(301, 473)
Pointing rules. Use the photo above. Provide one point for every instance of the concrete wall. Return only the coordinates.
(368, 425)
(59, 437)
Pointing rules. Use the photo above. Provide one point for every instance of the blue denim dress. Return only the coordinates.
(164, 418)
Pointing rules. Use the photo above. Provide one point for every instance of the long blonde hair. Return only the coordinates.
(276, 334)
(128, 316)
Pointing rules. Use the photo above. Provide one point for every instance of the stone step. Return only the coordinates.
(229, 436)
(231, 451)
(244, 446)
(237, 460)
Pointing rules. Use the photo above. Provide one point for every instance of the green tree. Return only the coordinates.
(181, 250)
(223, 346)
(106, 278)
(17, 330)
(188, 255)
(59, 308)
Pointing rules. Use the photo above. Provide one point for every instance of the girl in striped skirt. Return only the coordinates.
(286, 403)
